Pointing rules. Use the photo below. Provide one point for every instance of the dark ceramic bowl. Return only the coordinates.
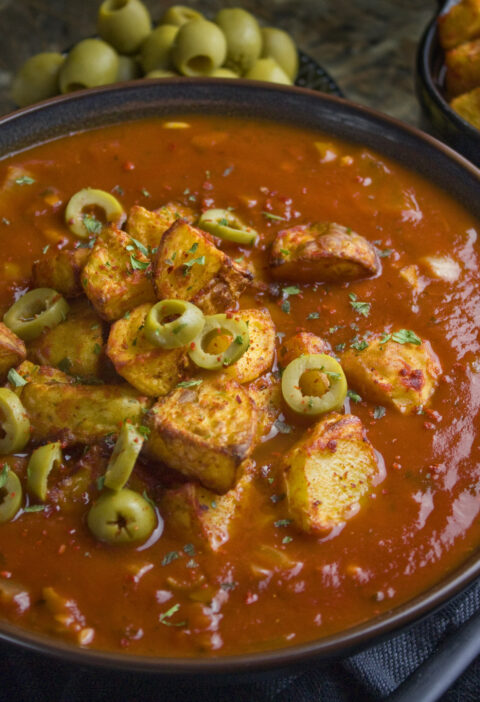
(439, 117)
(300, 108)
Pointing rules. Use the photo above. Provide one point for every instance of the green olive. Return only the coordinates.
(269, 70)
(14, 423)
(180, 332)
(200, 47)
(279, 45)
(37, 310)
(160, 73)
(90, 63)
(124, 24)
(223, 73)
(128, 69)
(10, 494)
(327, 376)
(121, 517)
(244, 38)
(156, 50)
(180, 14)
(89, 198)
(226, 225)
(41, 463)
(37, 79)
(124, 456)
(235, 330)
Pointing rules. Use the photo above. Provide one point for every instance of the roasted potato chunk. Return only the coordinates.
(12, 350)
(403, 375)
(461, 23)
(61, 271)
(188, 266)
(468, 106)
(463, 68)
(204, 431)
(258, 358)
(75, 345)
(267, 395)
(147, 226)
(322, 252)
(300, 344)
(39, 374)
(327, 472)
(194, 512)
(80, 414)
(150, 369)
(116, 278)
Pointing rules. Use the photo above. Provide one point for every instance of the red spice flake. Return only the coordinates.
(207, 185)
(62, 549)
(5, 574)
(128, 166)
(238, 399)
(397, 466)
(251, 598)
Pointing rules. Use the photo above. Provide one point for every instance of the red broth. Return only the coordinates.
(269, 586)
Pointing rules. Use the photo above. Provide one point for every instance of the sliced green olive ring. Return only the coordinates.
(121, 517)
(226, 225)
(40, 465)
(180, 332)
(37, 310)
(334, 395)
(124, 456)
(10, 496)
(220, 324)
(90, 198)
(14, 423)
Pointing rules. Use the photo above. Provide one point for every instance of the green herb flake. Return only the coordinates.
(144, 431)
(143, 249)
(385, 337)
(280, 523)
(285, 252)
(118, 189)
(188, 265)
(213, 504)
(291, 290)
(223, 222)
(228, 586)
(45, 249)
(193, 248)
(169, 557)
(362, 308)
(97, 349)
(275, 218)
(354, 396)
(379, 412)
(340, 347)
(286, 306)
(92, 224)
(189, 549)
(4, 475)
(359, 344)
(406, 336)
(384, 253)
(15, 378)
(287, 539)
(189, 383)
(100, 482)
(34, 508)
(238, 340)
(145, 193)
(138, 265)
(164, 618)
(24, 180)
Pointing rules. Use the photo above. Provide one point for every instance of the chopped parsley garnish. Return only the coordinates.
(4, 475)
(144, 431)
(359, 344)
(118, 189)
(100, 482)
(193, 248)
(15, 378)
(340, 347)
(379, 412)
(138, 265)
(163, 619)
(286, 539)
(34, 508)
(169, 557)
(354, 396)
(314, 315)
(282, 523)
(282, 426)
(406, 336)
(228, 585)
(285, 252)
(145, 193)
(276, 218)
(384, 253)
(286, 306)
(87, 244)
(238, 340)
(97, 349)
(45, 248)
(291, 290)
(140, 247)
(189, 549)
(189, 383)
(362, 308)
(92, 224)
(188, 265)
(24, 180)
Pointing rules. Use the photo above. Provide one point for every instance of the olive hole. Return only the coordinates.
(34, 310)
(117, 5)
(314, 383)
(216, 341)
(200, 64)
(3, 495)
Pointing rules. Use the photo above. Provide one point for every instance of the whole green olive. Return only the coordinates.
(200, 47)
(223, 73)
(268, 69)
(244, 38)
(90, 63)
(279, 45)
(124, 24)
(156, 50)
(121, 517)
(128, 69)
(179, 14)
(37, 79)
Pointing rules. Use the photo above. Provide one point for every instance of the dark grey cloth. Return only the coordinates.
(366, 677)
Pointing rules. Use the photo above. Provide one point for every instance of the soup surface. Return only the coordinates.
(269, 580)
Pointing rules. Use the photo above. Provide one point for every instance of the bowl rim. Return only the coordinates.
(371, 631)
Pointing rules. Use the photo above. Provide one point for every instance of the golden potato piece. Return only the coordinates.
(322, 252)
(80, 414)
(188, 266)
(150, 369)
(461, 23)
(204, 431)
(403, 375)
(116, 276)
(12, 351)
(62, 271)
(468, 106)
(148, 226)
(300, 344)
(463, 68)
(75, 345)
(327, 473)
(208, 519)
(267, 395)
(39, 374)
(258, 358)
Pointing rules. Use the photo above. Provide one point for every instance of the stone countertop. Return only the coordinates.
(368, 46)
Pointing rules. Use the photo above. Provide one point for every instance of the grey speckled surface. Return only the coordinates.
(368, 46)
